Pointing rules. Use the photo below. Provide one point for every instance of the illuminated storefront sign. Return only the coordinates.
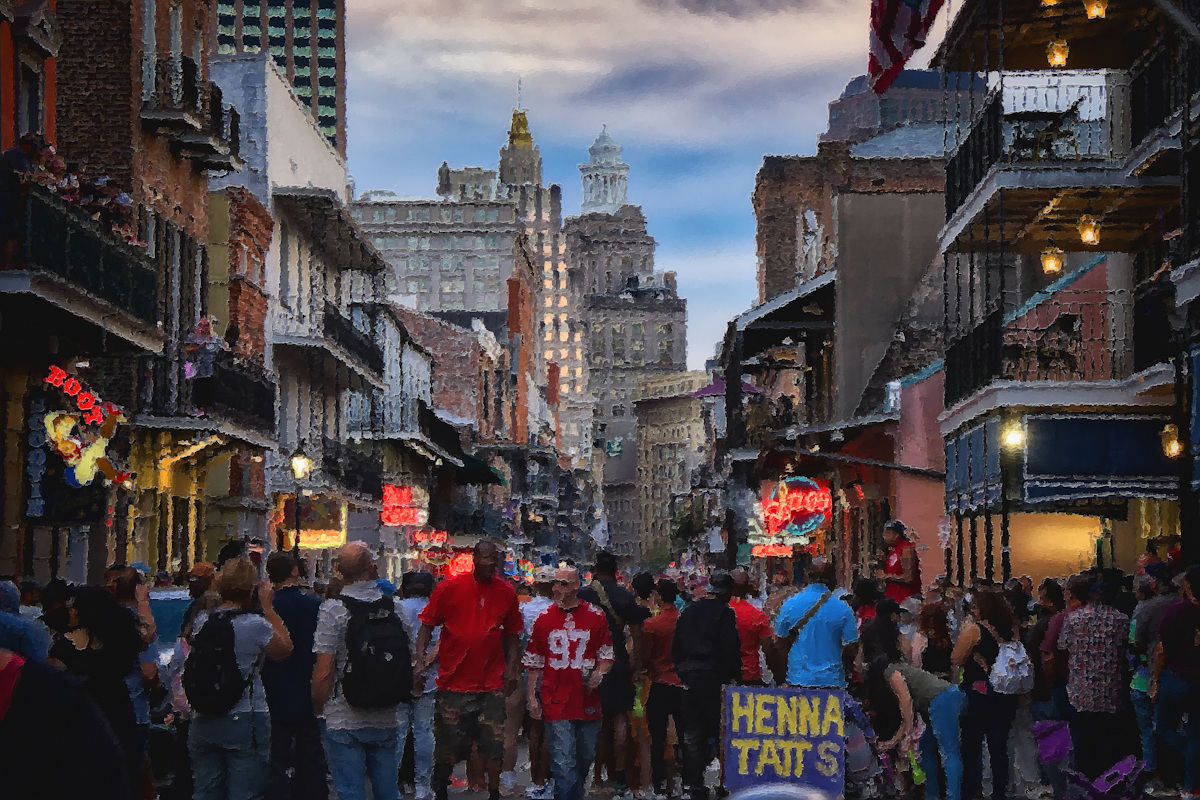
(797, 506)
(461, 564)
(771, 551)
(94, 409)
(425, 538)
(323, 522)
(401, 506)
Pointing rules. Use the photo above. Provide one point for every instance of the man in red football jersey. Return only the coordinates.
(569, 652)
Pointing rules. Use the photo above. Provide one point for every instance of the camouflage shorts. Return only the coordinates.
(463, 719)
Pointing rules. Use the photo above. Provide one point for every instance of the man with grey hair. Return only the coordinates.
(357, 695)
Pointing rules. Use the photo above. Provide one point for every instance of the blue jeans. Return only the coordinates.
(418, 717)
(1177, 697)
(941, 738)
(356, 755)
(231, 755)
(572, 751)
(989, 717)
(1143, 707)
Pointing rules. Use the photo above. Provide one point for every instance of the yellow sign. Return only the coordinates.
(784, 736)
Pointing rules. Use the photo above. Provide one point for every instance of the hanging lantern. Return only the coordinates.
(1089, 229)
(1052, 260)
(1056, 53)
(1013, 436)
(1095, 8)
(1172, 447)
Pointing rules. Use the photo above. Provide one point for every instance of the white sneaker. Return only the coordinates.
(423, 793)
(508, 783)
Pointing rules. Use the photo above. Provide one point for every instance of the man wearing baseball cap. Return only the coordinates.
(901, 571)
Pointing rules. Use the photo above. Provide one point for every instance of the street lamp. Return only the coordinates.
(1172, 447)
(301, 467)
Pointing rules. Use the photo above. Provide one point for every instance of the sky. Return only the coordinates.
(695, 91)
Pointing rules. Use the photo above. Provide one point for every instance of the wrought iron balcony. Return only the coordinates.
(354, 469)
(1075, 334)
(1040, 122)
(237, 392)
(85, 257)
(339, 330)
(171, 100)
(190, 112)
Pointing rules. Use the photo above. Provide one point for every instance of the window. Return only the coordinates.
(29, 109)
(454, 283)
(618, 411)
(285, 265)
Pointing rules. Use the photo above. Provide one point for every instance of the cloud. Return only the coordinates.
(731, 8)
(696, 91)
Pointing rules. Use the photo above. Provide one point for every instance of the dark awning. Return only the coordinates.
(1067, 458)
(477, 471)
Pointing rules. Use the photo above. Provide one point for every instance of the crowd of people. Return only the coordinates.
(33, 160)
(281, 690)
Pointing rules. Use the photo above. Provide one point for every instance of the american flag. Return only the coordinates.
(898, 29)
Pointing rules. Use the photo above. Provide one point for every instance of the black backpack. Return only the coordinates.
(378, 670)
(212, 679)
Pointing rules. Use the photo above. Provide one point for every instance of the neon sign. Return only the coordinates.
(399, 507)
(94, 409)
(461, 564)
(430, 538)
(769, 550)
(797, 506)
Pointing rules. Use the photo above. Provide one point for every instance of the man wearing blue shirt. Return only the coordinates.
(826, 640)
(298, 766)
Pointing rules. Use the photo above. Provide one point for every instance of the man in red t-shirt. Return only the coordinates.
(666, 692)
(753, 627)
(901, 573)
(478, 662)
(570, 650)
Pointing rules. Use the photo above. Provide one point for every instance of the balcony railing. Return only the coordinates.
(174, 98)
(191, 113)
(339, 330)
(236, 392)
(1040, 121)
(62, 240)
(353, 469)
(1072, 335)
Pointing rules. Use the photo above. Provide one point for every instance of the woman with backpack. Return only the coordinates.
(230, 732)
(990, 712)
(893, 683)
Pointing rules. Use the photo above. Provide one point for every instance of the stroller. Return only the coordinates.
(1125, 781)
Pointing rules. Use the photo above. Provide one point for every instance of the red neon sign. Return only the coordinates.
(430, 537)
(768, 550)
(94, 409)
(461, 564)
(808, 506)
(399, 508)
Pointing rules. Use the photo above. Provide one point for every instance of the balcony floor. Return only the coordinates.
(66, 295)
(1150, 388)
(333, 350)
(1042, 199)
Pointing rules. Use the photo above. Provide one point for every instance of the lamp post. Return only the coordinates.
(301, 467)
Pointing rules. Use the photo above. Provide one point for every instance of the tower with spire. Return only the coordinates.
(605, 176)
(520, 159)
